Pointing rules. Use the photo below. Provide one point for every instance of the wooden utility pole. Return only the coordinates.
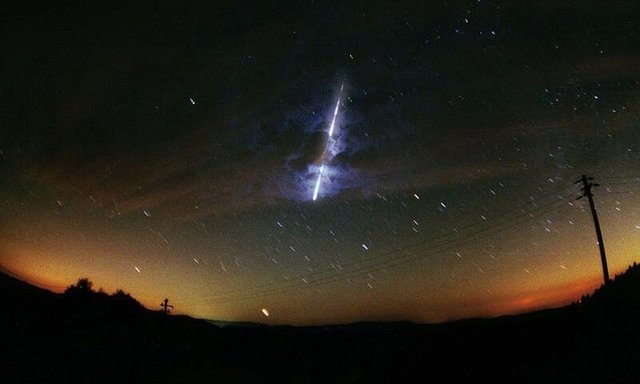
(586, 191)
(165, 306)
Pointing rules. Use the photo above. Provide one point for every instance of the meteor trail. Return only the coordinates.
(335, 112)
(316, 189)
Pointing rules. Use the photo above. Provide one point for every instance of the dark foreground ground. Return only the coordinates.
(48, 337)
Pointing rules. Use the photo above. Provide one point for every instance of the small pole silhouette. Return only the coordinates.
(586, 191)
(165, 306)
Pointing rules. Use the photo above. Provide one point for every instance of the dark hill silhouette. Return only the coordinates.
(88, 336)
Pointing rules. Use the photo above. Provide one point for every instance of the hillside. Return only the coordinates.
(111, 338)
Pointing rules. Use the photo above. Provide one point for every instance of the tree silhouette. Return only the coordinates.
(83, 288)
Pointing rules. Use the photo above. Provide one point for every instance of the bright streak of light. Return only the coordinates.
(265, 312)
(335, 111)
(317, 187)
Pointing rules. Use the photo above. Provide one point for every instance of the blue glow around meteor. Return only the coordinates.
(327, 153)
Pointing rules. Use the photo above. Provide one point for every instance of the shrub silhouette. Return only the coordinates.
(83, 288)
(81, 295)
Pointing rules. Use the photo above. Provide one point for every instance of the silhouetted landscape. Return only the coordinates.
(88, 336)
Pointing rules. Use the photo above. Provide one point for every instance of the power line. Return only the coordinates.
(342, 275)
(397, 256)
(375, 264)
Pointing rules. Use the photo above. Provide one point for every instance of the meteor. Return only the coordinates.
(335, 112)
(316, 189)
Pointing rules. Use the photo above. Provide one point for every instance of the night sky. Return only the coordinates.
(171, 149)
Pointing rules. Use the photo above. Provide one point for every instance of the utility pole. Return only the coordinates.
(586, 191)
(165, 306)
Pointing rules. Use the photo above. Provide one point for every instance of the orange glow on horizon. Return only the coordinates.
(554, 296)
